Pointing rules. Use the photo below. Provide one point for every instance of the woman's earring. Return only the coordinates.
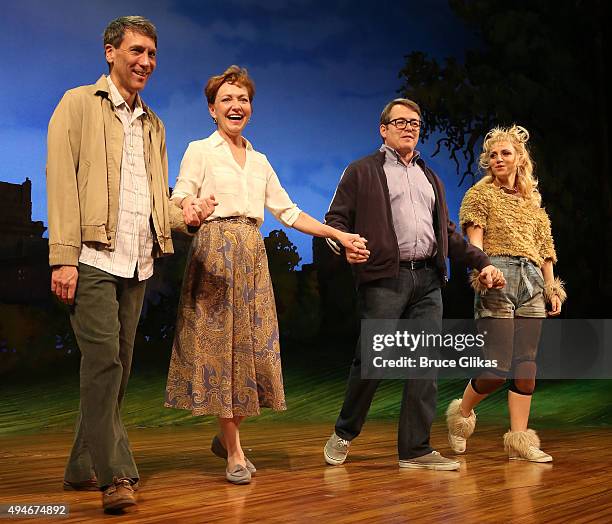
(214, 119)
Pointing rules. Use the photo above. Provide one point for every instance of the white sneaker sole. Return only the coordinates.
(436, 467)
(542, 460)
(332, 461)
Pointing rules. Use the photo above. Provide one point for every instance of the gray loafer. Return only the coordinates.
(238, 475)
(217, 448)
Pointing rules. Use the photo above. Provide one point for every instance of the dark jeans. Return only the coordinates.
(415, 294)
(104, 320)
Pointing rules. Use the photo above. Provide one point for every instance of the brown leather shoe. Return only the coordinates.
(90, 485)
(119, 495)
(83, 485)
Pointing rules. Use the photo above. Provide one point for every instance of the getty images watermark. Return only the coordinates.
(565, 349)
(417, 343)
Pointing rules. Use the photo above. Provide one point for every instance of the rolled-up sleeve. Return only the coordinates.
(191, 174)
(278, 201)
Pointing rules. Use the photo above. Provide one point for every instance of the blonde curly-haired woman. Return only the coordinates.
(502, 215)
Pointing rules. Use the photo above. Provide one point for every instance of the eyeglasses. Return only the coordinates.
(402, 123)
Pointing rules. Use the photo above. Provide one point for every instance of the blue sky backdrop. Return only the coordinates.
(323, 71)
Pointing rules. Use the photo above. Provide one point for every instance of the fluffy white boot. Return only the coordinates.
(459, 427)
(525, 445)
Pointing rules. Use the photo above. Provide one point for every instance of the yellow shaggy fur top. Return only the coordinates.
(512, 226)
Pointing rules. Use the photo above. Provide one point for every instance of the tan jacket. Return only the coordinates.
(84, 151)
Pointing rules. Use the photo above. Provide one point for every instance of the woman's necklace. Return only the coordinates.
(509, 191)
(506, 189)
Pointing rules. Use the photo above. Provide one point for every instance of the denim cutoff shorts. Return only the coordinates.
(522, 296)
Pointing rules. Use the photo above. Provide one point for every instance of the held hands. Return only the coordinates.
(205, 206)
(491, 277)
(64, 282)
(355, 248)
(196, 210)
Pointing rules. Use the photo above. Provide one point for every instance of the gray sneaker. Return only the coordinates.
(432, 460)
(336, 450)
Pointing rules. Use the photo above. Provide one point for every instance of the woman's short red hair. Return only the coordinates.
(232, 75)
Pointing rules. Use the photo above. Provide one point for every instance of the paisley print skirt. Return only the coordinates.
(226, 354)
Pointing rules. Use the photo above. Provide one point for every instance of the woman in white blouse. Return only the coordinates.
(225, 358)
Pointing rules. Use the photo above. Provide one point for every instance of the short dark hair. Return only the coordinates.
(232, 75)
(384, 116)
(115, 31)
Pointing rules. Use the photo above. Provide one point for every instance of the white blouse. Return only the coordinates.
(208, 168)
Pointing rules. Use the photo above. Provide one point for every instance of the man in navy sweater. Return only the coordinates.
(395, 201)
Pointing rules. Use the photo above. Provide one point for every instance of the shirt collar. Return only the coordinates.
(217, 140)
(393, 156)
(118, 100)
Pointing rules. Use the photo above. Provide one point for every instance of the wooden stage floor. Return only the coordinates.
(182, 481)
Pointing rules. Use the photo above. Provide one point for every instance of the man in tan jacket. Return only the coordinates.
(109, 216)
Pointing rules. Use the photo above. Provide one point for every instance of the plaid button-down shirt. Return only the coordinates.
(134, 241)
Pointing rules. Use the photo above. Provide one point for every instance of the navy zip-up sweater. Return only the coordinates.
(362, 205)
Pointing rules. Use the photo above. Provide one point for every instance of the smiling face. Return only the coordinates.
(231, 109)
(404, 141)
(132, 63)
(503, 161)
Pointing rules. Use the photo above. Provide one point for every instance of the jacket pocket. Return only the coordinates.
(93, 194)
